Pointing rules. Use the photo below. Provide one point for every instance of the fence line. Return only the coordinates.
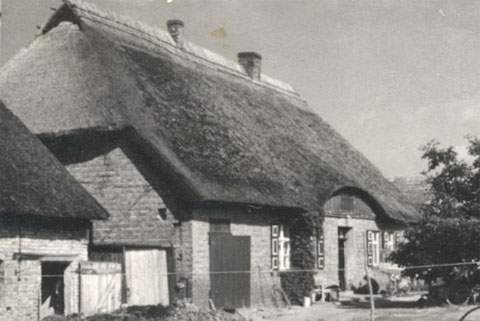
(399, 269)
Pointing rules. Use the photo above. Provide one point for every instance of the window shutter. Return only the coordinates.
(275, 233)
(369, 248)
(320, 250)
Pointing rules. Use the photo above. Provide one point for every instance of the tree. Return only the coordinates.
(449, 231)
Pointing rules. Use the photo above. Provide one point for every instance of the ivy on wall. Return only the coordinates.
(298, 282)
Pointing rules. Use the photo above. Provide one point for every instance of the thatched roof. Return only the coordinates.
(230, 138)
(33, 181)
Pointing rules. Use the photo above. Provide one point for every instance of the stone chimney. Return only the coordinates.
(251, 63)
(175, 29)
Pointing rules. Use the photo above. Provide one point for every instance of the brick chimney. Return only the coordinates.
(251, 63)
(175, 29)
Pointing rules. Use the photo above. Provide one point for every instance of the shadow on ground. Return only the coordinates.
(380, 303)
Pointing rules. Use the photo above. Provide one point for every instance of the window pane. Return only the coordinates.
(274, 247)
(275, 230)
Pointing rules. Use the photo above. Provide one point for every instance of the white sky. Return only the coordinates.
(389, 75)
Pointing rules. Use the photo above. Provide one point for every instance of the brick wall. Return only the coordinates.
(258, 227)
(355, 251)
(135, 195)
(19, 296)
(21, 282)
(115, 180)
(44, 239)
(183, 247)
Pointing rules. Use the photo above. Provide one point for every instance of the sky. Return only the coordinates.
(389, 75)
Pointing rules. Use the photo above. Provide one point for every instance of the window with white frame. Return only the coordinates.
(389, 240)
(280, 247)
(373, 248)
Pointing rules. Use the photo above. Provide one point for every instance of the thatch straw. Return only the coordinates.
(33, 181)
(232, 139)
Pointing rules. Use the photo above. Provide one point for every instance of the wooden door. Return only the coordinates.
(100, 287)
(147, 277)
(230, 270)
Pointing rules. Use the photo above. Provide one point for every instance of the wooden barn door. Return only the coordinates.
(229, 253)
(147, 278)
(100, 287)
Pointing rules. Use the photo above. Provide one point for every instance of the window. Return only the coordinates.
(373, 248)
(162, 213)
(389, 241)
(280, 247)
(284, 248)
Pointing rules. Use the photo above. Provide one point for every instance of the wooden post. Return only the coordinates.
(80, 288)
(39, 300)
(323, 291)
(369, 282)
(370, 291)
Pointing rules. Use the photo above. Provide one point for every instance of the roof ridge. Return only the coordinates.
(162, 37)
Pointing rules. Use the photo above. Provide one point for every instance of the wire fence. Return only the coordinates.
(398, 269)
(26, 273)
(108, 294)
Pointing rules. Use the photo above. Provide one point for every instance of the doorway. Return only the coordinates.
(342, 240)
(52, 287)
(230, 270)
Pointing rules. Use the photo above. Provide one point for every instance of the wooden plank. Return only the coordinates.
(147, 276)
(100, 287)
(71, 290)
(111, 254)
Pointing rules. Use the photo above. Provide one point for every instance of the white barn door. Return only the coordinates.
(147, 279)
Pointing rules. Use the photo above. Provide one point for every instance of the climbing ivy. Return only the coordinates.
(298, 282)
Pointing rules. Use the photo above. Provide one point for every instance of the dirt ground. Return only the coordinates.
(337, 312)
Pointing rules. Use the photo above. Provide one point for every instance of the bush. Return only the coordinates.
(450, 229)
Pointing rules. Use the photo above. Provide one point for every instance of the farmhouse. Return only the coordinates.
(353, 237)
(200, 161)
(44, 221)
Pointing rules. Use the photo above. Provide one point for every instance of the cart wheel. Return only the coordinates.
(458, 294)
(469, 312)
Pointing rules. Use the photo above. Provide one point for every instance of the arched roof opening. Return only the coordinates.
(356, 193)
